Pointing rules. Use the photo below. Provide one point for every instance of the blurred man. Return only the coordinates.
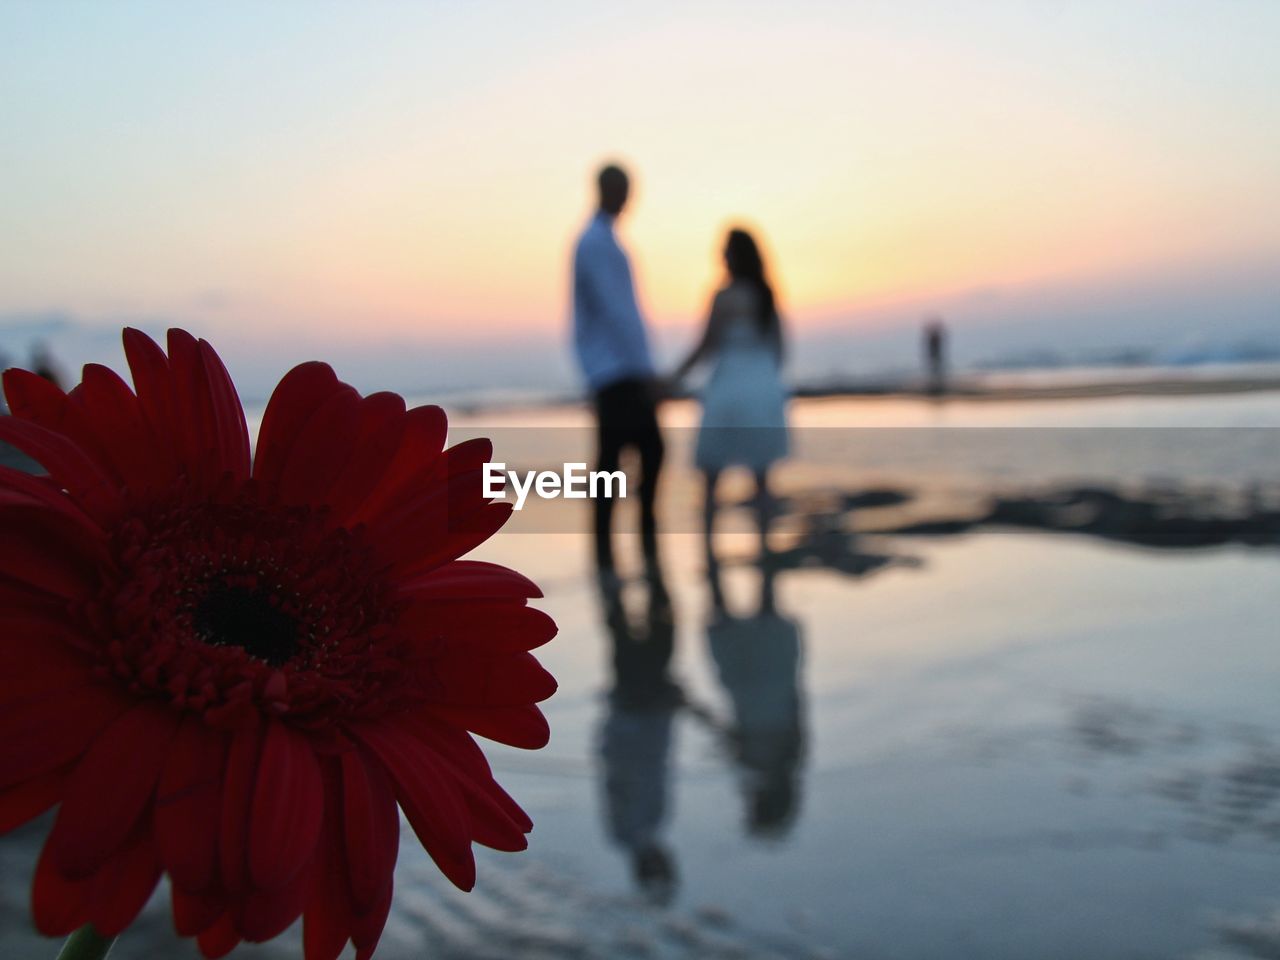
(613, 352)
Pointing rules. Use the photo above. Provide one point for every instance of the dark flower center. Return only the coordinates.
(227, 608)
(231, 616)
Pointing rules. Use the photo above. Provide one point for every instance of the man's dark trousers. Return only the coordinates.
(627, 416)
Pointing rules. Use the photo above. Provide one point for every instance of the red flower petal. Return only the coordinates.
(366, 928)
(237, 798)
(496, 820)
(326, 925)
(470, 580)
(68, 465)
(267, 913)
(49, 552)
(38, 401)
(189, 805)
(381, 430)
(476, 628)
(496, 681)
(324, 931)
(433, 807)
(372, 828)
(110, 788)
(523, 727)
(228, 413)
(302, 391)
(215, 441)
(58, 906)
(193, 404)
(24, 489)
(49, 727)
(122, 888)
(194, 913)
(27, 801)
(110, 900)
(452, 492)
(321, 450)
(37, 655)
(111, 409)
(288, 805)
(153, 382)
(421, 445)
(219, 939)
(19, 598)
(452, 530)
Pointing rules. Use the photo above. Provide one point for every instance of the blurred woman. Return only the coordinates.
(744, 402)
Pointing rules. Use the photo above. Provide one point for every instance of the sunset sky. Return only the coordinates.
(412, 174)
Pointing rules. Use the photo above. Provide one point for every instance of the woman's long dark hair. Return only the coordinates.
(742, 257)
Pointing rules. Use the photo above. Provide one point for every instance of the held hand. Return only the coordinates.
(666, 387)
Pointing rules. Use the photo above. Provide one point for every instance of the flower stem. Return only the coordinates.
(86, 944)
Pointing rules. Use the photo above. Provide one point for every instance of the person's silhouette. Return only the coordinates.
(613, 353)
(744, 420)
(935, 356)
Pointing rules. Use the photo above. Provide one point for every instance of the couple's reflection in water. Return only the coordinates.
(756, 655)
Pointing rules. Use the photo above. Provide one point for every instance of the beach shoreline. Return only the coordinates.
(969, 389)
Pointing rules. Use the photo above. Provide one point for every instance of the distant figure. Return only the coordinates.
(43, 365)
(935, 357)
(758, 661)
(635, 742)
(744, 403)
(613, 352)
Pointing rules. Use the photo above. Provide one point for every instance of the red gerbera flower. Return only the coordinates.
(234, 673)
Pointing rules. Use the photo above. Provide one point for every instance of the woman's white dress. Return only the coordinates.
(744, 420)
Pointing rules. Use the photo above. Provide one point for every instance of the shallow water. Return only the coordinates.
(1021, 747)
(990, 744)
